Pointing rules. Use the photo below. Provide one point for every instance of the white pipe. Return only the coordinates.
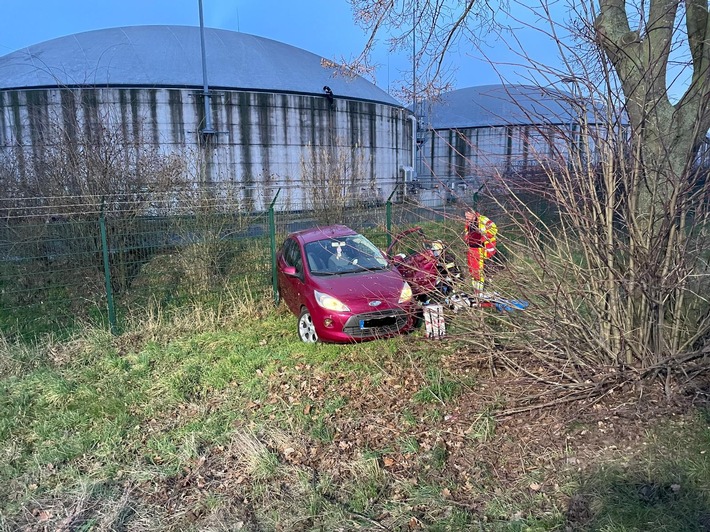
(413, 118)
(205, 87)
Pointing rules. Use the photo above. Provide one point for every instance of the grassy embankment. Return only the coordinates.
(225, 421)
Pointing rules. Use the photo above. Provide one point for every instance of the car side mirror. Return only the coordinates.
(290, 271)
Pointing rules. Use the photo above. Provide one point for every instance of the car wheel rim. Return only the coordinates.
(307, 329)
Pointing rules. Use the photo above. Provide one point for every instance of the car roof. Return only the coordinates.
(320, 232)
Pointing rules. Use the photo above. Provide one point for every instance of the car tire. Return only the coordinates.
(306, 327)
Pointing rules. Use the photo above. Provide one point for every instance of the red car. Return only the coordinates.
(341, 287)
(411, 253)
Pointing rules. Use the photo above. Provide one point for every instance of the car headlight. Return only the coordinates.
(406, 293)
(329, 302)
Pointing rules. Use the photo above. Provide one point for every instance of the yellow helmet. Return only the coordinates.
(437, 246)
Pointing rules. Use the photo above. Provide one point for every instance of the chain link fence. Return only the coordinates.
(70, 261)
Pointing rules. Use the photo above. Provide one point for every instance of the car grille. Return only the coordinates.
(379, 323)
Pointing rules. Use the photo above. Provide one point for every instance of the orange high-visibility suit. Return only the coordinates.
(480, 235)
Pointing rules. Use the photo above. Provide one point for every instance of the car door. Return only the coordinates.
(291, 286)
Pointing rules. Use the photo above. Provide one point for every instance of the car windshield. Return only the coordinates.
(348, 254)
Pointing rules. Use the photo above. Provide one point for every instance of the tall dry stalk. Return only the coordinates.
(332, 180)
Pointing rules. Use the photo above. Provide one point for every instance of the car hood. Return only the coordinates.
(357, 290)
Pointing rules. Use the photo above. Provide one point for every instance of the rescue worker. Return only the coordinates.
(480, 235)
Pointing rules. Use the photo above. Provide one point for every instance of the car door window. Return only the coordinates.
(292, 255)
(285, 251)
(298, 260)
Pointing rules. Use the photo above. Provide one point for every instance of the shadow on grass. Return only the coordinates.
(666, 489)
(617, 501)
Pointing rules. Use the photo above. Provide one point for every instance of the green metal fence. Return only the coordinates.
(66, 262)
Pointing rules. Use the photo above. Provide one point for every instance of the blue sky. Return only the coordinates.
(324, 27)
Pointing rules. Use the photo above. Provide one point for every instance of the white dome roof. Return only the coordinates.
(501, 105)
(170, 56)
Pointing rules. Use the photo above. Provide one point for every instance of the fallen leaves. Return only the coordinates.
(42, 515)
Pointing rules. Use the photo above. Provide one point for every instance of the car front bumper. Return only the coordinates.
(367, 325)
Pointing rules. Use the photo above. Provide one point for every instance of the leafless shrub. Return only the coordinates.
(332, 181)
(613, 280)
(208, 234)
(616, 269)
(51, 205)
(79, 171)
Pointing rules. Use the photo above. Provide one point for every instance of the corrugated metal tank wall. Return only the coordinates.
(261, 137)
(450, 154)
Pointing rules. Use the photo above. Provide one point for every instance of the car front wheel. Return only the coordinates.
(306, 327)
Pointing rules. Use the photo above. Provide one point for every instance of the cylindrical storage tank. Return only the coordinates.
(478, 132)
(276, 111)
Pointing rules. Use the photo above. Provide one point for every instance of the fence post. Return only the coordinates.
(107, 273)
(388, 215)
(272, 237)
(474, 198)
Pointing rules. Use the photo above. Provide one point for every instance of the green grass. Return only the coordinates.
(211, 408)
(667, 488)
(440, 388)
(94, 403)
